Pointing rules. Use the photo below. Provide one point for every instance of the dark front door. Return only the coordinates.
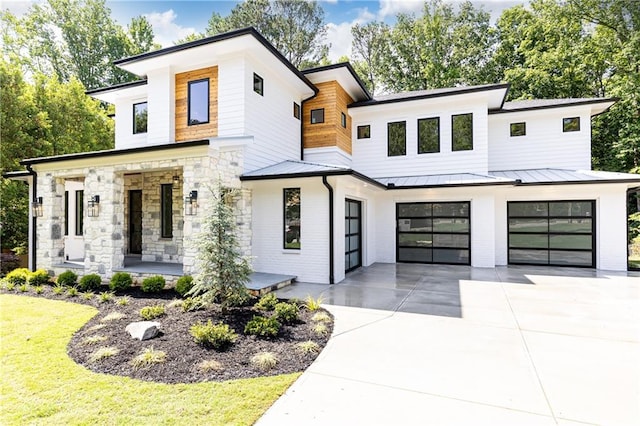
(352, 235)
(135, 222)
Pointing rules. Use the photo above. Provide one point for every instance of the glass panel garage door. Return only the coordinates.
(433, 233)
(560, 233)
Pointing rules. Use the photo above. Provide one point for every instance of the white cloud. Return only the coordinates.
(339, 35)
(393, 7)
(165, 29)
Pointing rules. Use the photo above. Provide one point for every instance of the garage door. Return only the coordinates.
(433, 233)
(560, 233)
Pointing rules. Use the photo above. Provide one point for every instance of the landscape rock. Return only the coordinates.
(143, 330)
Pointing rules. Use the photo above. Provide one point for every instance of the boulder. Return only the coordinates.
(143, 330)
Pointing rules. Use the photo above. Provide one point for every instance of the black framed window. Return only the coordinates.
(296, 110)
(166, 210)
(343, 120)
(291, 218)
(428, 135)
(140, 118)
(66, 212)
(364, 132)
(518, 129)
(397, 138)
(571, 124)
(462, 132)
(317, 116)
(79, 212)
(198, 102)
(258, 84)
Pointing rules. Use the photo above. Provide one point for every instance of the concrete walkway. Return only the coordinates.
(530, 347)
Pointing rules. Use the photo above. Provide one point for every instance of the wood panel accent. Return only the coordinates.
(184, 132)
(334, 99)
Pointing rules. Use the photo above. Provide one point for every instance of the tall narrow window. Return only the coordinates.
(296, 110)
(343, 120)
(66, 212)
(292, 218)
(79, 212)
(428, 135)
(317, 116)
(140, 118)
(166, 210)
(198, 102)
(258, 84)
(462, 132)
(571, 124)
(397, 138)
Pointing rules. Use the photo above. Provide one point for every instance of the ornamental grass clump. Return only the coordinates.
(90, 282)
(120, 281)
(308, 347)
(105, 296)
(38, 289)
(264, 360)
(123, 301)
(321, 317)
(313, 304)
(23, 288)
(94, 340)
(209, 365)
(286, 313)
(216, 336)
(104, 352)
(320, 329)
(262, 327)
(58, 289)
(148, 357)
(152, 312)
(72, 292)
(113, 316)
(153, 284)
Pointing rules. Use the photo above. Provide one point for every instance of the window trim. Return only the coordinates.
(453, 116)
(511, 129)
(259, 89)
(166, 203)
(79, 212)
(311, 116)
(284, 217)
(368, 126)
(564, 124)
(343, 120)
(405, 138)
(296, 110)
(134, 129)
(189, 101)
(66, 213)
(437, 119)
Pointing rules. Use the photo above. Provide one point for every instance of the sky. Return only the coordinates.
(174, 20)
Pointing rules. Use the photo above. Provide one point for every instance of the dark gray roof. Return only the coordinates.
(456, 179)
(561, 176)
(529, 104)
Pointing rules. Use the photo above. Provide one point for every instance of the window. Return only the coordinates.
(140, 118)
(364, 132)
(343, 120)
(292, 218)
(462, 132)
(397, 138)
(166, 210)
(258, 84)
(296, 110)
(428, 135)
(571, 124)
(317, 116)
(79, 212)
(518, 129)
(198, 102)
(66, 212)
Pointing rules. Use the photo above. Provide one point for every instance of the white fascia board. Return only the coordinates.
(112, 96)
(343, 77)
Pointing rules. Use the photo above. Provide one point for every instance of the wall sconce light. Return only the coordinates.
(94, 206)
(176, 180)
(36, 207)
(191, 204)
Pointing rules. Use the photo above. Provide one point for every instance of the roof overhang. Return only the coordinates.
(22, 175)
(597, 106)
(344, 74)
(126, 90)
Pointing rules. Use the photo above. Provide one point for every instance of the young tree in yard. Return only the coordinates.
(223, 271)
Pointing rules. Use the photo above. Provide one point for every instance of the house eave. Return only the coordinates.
(352, 173)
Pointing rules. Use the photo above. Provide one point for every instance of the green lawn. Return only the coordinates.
(40, 384)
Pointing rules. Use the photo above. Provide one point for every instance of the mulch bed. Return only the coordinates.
(182, 353)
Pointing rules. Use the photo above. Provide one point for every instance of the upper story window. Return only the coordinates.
(296, 110)
(198, 102)
(397, 138)
(428, 135)
(317, 116)
(258, 84)
(462, 132)
(140, 118)
(518, 129)
(343, 120)
(364, 132)
(571, 124)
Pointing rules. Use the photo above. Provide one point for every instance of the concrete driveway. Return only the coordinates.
(523, 346)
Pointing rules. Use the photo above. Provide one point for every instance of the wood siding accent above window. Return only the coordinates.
(334, 99)
(184, 132)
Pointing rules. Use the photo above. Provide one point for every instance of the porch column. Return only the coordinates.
(197, 174)
(50, 242)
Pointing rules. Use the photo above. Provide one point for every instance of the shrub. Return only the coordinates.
(120, 281)
(67, 279)
(308, 347)
(313, 304)
(72, 292)
(104, 352)
(148, 357)
(106, 296)
(267, 302)
(286, 312)
(39, 277)
(8, 262)
(184, 285)
(321, 317)
(210, 365)
(151, 312)
(262, 327)
(90, 282)
(217, 336)
(193, 304)
(153, 284)
(264, 360)
(17, 277)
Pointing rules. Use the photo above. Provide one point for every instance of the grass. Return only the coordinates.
(36, 331)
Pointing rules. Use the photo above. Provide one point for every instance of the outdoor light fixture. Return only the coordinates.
(191, 204)
(176, 180)
(36, 207)
(94, 206)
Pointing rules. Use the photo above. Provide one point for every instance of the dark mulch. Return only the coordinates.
(182, 353)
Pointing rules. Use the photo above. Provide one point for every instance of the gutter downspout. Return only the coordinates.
(331, 254)
(34, 219)
(315, 93)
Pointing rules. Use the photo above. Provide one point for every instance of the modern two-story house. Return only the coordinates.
(329, 178)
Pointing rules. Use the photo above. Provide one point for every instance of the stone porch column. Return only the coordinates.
(50, 228)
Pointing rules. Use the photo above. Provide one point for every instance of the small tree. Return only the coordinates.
(224, 272)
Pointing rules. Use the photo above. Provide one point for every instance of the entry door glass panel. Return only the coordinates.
(135, 222)
(560, 233)
(353, 235)
(433, 233)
